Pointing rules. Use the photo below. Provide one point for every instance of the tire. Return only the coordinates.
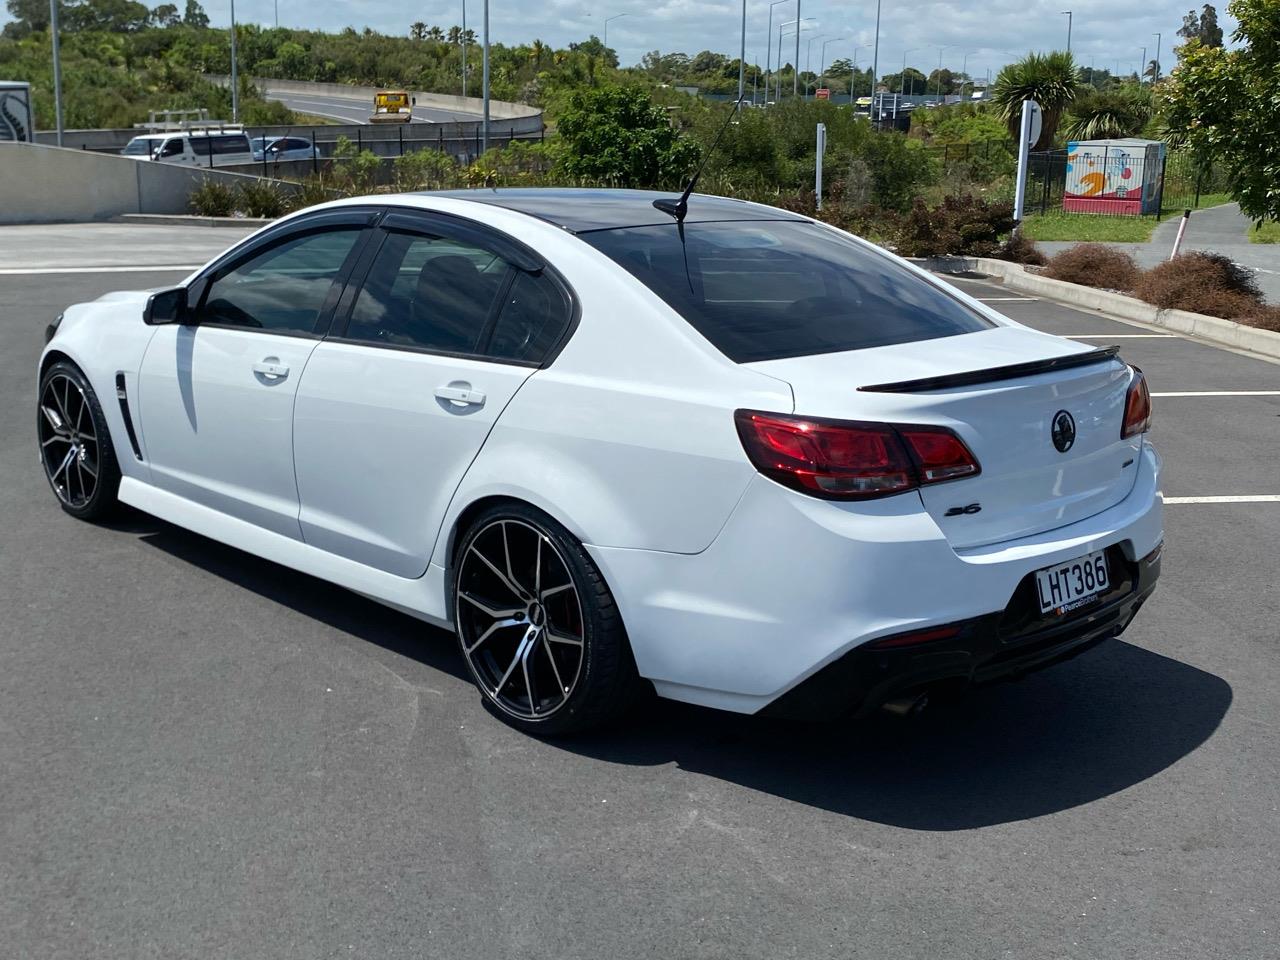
(76, 452)
(531, 611)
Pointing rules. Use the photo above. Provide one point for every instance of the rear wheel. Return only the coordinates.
(538, 626)
(75, 445)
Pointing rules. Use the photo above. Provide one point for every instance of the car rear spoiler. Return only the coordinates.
(994, 374)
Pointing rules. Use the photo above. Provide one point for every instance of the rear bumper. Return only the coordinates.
(792, 586)
(999, 646)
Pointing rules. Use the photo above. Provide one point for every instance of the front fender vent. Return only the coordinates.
(122, 394)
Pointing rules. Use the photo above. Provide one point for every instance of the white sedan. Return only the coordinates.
(745, 459)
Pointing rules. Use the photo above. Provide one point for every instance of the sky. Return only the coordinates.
(1105, 33)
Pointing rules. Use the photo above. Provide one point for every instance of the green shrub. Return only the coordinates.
(963, 226)
(424, 170)
(263, 198)
(212, 198)
(616, 135)
(354, 171)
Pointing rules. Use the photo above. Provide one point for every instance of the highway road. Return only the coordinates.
(357, 110)
(203, 754)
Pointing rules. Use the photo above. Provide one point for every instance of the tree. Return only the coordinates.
(1049, 79)
(165, 16)
(1221, 104)
(194, 16)
(418, 30)
(616, 135)
(1203, 27)
(435, 34)
(1118, 112)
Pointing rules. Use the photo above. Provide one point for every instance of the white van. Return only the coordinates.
(195, 148)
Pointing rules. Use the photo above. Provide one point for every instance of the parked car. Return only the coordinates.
(282, 148)
(613, 440)
(197, 148)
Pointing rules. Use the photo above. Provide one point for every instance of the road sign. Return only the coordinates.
(822, 93)
(1037, 124)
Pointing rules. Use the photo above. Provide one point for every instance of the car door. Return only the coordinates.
(216, 393)
(448, 322)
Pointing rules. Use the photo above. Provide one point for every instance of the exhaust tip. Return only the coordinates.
(911, 706)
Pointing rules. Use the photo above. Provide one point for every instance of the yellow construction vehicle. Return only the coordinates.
(392, 106)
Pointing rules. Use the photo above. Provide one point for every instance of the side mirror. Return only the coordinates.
(167, 306)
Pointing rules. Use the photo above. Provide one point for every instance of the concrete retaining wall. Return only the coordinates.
(42, 184)
(498, 109)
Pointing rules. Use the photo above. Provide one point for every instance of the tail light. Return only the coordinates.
(1137, 406)
(843, 460)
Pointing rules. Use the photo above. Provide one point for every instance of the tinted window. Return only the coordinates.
(139, 147)
(171, 148)
(429, 292)
(534, 314)
(220, 144)
(766, 290)
(281, 289)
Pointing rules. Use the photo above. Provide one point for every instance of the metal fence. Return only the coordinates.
(1118, 181)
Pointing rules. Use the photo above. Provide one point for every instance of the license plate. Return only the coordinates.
(1074, 584)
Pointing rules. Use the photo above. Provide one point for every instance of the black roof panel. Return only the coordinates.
(579, 209)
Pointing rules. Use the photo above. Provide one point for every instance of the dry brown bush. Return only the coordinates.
(1267, 317)
(1094, 265)
(1202, 283)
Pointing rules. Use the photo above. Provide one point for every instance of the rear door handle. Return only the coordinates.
(462, 394)
(271, 368)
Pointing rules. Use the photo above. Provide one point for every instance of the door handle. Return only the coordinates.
(461, 393)
(271, 368)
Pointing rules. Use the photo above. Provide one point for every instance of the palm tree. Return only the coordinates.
(435, 34)
(537, 52)
(455, 35)
(1152, 71)
(418, 30)
(1049, 79)
(1119, 112)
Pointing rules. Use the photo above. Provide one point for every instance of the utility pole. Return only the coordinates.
(462, 39)
(57, 69)
(1068, 16)
(742, 59)
(235, 77)
(277, 7)
(484, 80)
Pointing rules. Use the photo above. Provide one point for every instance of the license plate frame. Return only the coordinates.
(1073, 584)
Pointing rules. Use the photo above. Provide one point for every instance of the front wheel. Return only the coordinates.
(538, 626)
(75, 446)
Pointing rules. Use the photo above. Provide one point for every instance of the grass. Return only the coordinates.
(1089, 227)
(1095, 228)
(1269, 232)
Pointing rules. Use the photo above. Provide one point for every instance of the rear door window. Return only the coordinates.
(765, 290)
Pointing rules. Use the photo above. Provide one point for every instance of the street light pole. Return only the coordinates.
(462, 39)
(795, 74)
(875, 58)
(235, 83)
(1155, 74)
(768, 50)
(57, 69)
(799, 24)
(277, 8)
(606, 25)
(853, 72)
(822, 70)
(484, 80)
(1067, 13)
(902, 86)
(1142, 70)
(742, 59)
(940, 49)
(808, 52)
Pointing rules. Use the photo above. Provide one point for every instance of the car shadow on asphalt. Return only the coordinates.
(1064, 737)
(1061, 738)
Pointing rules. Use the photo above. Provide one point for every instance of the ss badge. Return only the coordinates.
(961, 511)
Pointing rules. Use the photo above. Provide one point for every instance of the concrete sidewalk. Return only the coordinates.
(1222, 229)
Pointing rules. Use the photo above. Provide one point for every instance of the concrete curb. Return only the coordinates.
(1017, 277)
(183, 220)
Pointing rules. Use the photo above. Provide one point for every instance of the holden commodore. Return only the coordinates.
(615, 440)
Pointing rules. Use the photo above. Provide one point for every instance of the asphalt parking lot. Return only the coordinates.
(206, 755)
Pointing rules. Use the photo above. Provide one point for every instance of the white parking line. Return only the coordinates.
(1219, 393)
(1007, 299)
(1264, 498)
(24, 271)
(1118, 336)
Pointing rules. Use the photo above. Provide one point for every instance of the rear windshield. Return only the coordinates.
(769, 290)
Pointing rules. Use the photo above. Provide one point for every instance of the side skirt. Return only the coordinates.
(423, 598)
